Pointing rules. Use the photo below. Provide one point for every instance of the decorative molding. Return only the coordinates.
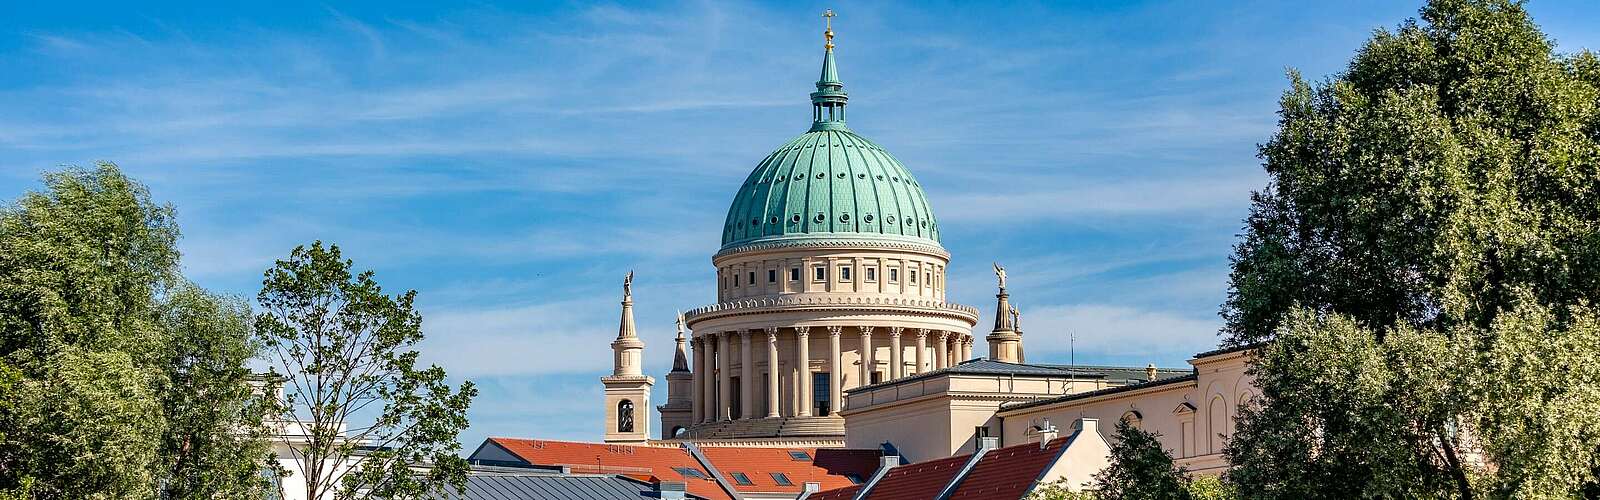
(802, 331)
(894, 331)
(922, 333)
(835, 331)
(849, 243)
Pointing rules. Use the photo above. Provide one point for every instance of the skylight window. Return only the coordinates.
(800, 456)
(743, 480)
(781, 479)
(687, 472)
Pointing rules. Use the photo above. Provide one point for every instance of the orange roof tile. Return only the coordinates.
(1004, 473)
(829, 467)
(1008, 473)
(642, 462)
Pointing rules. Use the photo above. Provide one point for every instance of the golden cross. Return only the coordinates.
(827, 17)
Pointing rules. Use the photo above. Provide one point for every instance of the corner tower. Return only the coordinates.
(830, 277)
(628, 388)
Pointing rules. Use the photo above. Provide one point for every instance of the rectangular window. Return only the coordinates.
(772, 276)
(977, 437)
(752, 278)
(739, 477)
(819, 394)
(844, 273)
(913, 276)
(820, 273)
(799, 456)
(872, 274)
(877, 377)
(735, 279)
(794, 274)
(781, 479)
(734, 405)
(894, 275)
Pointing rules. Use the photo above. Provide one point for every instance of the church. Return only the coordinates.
(832, 330)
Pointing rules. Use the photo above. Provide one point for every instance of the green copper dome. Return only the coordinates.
(829, 182)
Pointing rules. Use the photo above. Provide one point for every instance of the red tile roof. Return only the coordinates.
(919, 481)
(829, 467)
(1008, 473)
(844, 493)
(641, 462)
(1002, 474)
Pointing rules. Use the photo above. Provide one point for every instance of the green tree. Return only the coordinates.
(346, 350)
(1428, 243)
(1140, 469)
(217, 440)
(88, 273)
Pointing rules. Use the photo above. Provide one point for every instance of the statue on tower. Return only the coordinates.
(1000, 272)
(627, 284)
(1016, 319)
(680, 324)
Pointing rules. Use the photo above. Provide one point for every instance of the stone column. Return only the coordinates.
(942, 350)
(724, 375)
(834, 399)
(708, 406)
(966, 348)
(772, 372)
(922, 350)
(747, 372)
(866, 355)
(802, 342)
(896, 358)
(696, 387)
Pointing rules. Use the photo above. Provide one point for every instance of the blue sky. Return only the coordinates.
(511, 163)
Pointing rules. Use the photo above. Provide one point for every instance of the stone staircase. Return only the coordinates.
(769, 427)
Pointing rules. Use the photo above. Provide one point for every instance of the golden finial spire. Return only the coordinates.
(827, 18)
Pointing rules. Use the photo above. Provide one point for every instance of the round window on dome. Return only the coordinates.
(924, 223)
(896, 179)
(861, 176)
(910, 222)
(844, 217)
(867, 218)
(821, 217)
(798, 177)
(891, 219)
(880, 177)
(841, 175)
(795, 219)
(773, 220)
(755, 222)
(821, 175)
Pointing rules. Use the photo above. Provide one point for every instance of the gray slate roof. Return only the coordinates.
(551, 487)
(985, 366)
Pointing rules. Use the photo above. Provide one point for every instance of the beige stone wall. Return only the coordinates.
(1193, 417)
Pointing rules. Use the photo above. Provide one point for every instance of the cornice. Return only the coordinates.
(848, 243)
(831, 302)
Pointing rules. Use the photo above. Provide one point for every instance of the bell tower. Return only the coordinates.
(627, 388)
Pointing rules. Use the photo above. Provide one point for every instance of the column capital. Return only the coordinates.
(772, 335)
(894, 331)
(865, 330)
(922, 333)
(835, 330)
(771, 330)
(943, 335)
(803, 331)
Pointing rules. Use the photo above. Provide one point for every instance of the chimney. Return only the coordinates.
(988, 443)
(1150, 372)
(1047, 433)
(812, 487)
(673, 490)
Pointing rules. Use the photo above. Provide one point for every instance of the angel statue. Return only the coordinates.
(627, 284)
(680, 323)
(1000, 271)
(1016, 319)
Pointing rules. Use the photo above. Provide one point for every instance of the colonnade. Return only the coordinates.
(714, 354)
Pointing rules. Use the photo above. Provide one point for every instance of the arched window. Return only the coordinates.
(1217, 431)
(678, 431)
(1134, 419)
(625, 416)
